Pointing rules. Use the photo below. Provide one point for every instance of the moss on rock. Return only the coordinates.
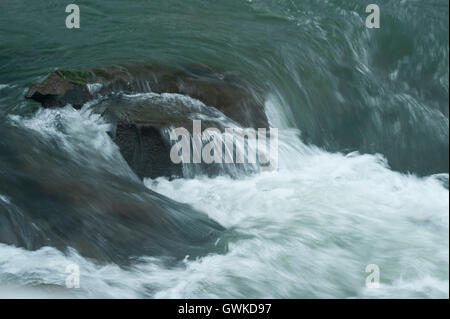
(78, 77)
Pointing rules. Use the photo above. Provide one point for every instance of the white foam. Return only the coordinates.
(316, 226)
(72, 129)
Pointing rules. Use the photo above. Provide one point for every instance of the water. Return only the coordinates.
(363, 158)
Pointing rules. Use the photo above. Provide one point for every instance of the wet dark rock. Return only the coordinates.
(140, 127)
(145, 150)
(59, 89)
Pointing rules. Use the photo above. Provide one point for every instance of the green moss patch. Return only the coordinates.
(75, 76)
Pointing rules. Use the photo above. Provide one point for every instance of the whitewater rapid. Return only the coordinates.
(307, 230)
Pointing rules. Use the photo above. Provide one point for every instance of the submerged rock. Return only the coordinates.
(55, 200)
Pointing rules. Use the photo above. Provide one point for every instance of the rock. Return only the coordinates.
(225, 94)
(140, 126)
(59, 89)
(229, 94)
(145, 150)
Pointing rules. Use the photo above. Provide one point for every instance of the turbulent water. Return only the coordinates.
(363, 145)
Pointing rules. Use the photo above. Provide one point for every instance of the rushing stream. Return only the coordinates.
(363, 164)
